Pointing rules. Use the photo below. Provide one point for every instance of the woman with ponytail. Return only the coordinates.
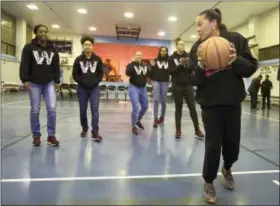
(220, 95)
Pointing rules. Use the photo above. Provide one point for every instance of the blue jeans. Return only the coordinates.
(160, 93)
(138, 95)
(92, 96)
(35, 93)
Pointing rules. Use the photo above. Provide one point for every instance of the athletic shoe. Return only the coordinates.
(209, 194)
(36, 141)
(228, 179)
(96, 137)
(52, 141)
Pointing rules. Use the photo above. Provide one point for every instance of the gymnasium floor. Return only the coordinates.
(152, 168)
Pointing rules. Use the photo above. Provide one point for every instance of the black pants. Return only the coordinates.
(254, 99)
(179, 94)
(266, 98)
(222, 126)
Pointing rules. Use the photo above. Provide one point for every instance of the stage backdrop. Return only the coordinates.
(121, 54)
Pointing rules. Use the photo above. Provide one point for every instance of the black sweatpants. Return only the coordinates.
(266, 98)
(179, 94)
(222, 126)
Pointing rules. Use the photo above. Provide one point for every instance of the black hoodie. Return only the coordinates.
(223, 87)
(88, 72)
(138, 74)
(179, 73)
(39, 65)
(160, 71)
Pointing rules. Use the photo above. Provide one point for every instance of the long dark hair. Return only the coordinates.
(214, 14)
(159, 56)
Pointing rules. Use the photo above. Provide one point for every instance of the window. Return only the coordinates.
(269, 53)
(8, 34)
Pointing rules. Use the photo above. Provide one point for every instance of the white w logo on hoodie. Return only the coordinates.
(140, 70)
(88, 65)
(44, 55)
(162, 64)
(176, 61)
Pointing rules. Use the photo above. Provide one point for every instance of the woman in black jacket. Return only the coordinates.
(160, 77)
(40, 71)
(220, 94)
(181, 87)
(88, 73)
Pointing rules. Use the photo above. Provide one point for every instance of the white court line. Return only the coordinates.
(276, 182)
(9, 103)
(276, 120)
(118, 109)
(60, 179)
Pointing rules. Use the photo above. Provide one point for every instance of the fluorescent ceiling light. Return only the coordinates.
(32, 6)
(193, 36)
(161, 33)
(92, 28)
(55, 26)
(172, 18)
(128, 15)
(82, 11)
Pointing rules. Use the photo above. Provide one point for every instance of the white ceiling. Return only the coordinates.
(151, 16)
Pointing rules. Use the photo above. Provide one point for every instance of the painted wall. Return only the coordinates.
(121, 54)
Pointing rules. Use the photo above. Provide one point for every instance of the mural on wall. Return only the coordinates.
(121, 54)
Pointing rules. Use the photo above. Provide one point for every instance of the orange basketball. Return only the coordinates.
(215, 53)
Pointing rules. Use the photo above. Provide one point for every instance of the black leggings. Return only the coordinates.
(222, 126)
(179, 94)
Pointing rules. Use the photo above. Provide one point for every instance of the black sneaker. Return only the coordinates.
(96, 137)
(228, 179)
(139, 124)
(84, 133)
(209, 194)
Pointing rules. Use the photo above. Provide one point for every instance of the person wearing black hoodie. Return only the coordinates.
(220, 94)
(88, 73)
(160, 77)
(39, 72)
(138, 74)
(181, 87)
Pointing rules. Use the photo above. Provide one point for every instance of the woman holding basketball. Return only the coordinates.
(160, 76)
(220, 94)
(181, 87)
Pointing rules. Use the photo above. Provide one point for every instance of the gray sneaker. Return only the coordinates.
(209, 194)
(228, 181)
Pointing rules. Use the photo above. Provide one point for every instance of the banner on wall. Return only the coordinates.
(272, 71)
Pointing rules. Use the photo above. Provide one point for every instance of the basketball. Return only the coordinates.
(215, 53)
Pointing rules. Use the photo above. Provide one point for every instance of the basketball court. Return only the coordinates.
(152, 168)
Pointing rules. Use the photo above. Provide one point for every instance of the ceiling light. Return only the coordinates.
(92, 28)
(82, 11)
(128, 15)
(55, 26)
(32, 6)
(172, 18)
(161, 33)
(193, 36)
